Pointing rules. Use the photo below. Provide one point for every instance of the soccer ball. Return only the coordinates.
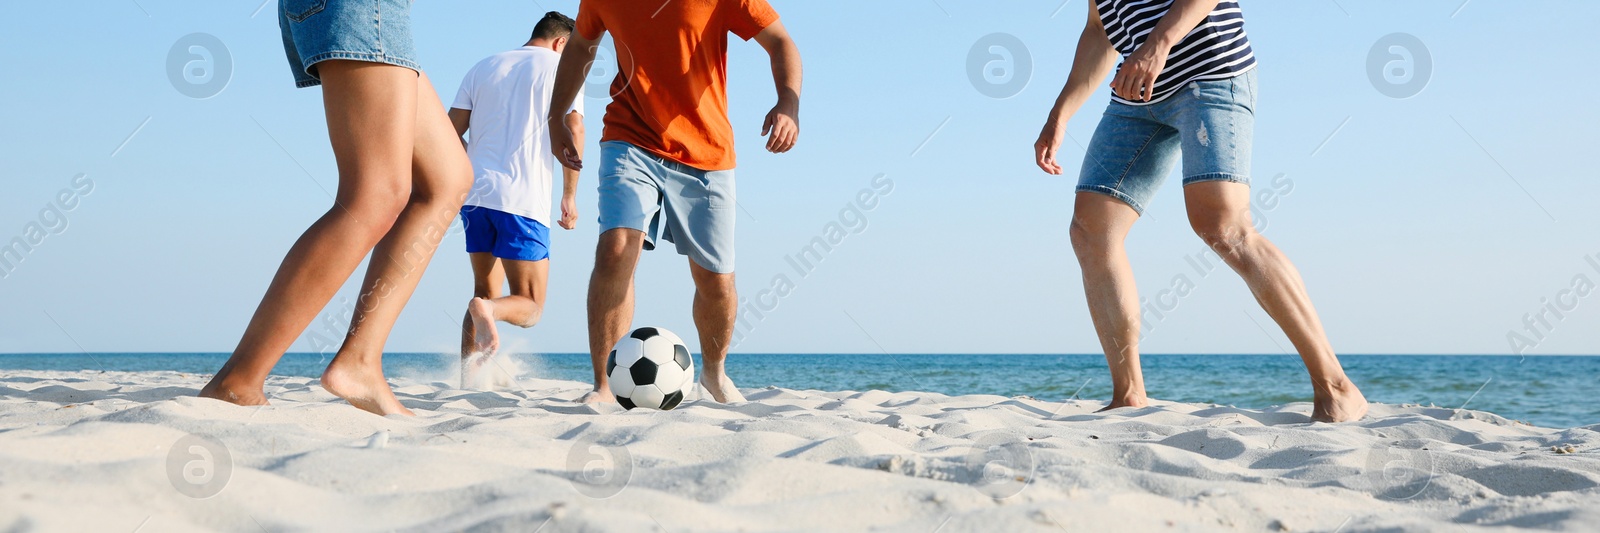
(650, 368)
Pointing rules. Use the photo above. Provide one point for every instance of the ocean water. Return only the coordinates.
(1546, 391)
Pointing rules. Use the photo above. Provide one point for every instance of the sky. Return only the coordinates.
(1436, 188)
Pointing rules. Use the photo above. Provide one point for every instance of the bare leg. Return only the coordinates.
(488, 282)
(522, 308)
(1220, 213)
(440, 179)
(715, 308)
(370, 112)
(610, 301)
(1100, 225)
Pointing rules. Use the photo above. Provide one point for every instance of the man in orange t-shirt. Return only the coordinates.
(667, 159)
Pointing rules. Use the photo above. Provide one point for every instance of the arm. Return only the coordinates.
(569, 176)
(1137, 79)
(1094, 60)
(782, 127)
(461, 119)
(570, 73)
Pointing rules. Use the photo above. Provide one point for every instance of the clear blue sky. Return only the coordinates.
(1431, 224)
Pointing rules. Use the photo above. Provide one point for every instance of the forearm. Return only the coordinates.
(1181, 18)
(1092, 63)
(787, 72)
(569, 177)
(461, 120)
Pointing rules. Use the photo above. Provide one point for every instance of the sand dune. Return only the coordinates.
(136, 451)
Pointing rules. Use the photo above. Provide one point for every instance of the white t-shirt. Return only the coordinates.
(509, 96)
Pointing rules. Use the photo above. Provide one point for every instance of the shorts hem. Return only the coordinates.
(1217, 176)
(649, 240)
(1108, 191)
(312, 81)
(544, 257)
(717, 269)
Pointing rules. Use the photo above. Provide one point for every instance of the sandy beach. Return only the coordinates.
(111, 451)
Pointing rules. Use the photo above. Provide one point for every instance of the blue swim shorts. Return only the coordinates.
(691, 208)
(505, 235)
(375, 31)
(1210, 123)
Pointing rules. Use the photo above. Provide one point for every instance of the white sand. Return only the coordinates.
(89, 451)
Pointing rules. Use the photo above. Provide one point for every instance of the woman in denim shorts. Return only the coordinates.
(1186, 90)
(403, 176)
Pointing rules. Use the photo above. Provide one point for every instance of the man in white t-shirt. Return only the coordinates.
(503, 102)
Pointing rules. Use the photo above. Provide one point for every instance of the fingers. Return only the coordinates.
(1045, 157)
(781, 134)
(766, 125)
(570, 159)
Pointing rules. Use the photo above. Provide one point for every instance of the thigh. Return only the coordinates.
(1129, 156)
(1216, 122)
(439, 162)
(1102, 217)
(527, 278)
(371, 112)
(487, 276)
(1216, 204)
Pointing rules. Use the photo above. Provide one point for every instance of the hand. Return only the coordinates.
(561, 145)
(1136, 81)
(569, 212)
(1044, 150)
(782, 127)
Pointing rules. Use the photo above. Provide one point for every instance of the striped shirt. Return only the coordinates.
(1216, 49)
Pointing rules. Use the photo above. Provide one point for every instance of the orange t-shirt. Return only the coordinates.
(670, 96)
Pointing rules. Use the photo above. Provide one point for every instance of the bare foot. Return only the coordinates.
(362, 386)
(600, 395)
(220, 389)
(1130, 401)
(1341, 402)
(484, 332)
(721, 388)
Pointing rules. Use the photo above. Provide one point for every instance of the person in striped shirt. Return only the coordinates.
(1184, 92)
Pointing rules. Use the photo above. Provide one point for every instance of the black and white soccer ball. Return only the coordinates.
(650, 368)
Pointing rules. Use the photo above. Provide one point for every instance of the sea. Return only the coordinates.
(1549, 391)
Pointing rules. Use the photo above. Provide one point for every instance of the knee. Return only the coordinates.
(615, 252)
(715, 286)
(375, 208)
(449, 188)
(1088, 239)
(1229, 237)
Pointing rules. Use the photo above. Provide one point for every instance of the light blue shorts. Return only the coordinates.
(375, 31)
(1210, 123)
(691, 208)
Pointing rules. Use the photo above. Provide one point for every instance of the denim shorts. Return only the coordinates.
(1209, 122)
(375, 31)
(691, 208)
